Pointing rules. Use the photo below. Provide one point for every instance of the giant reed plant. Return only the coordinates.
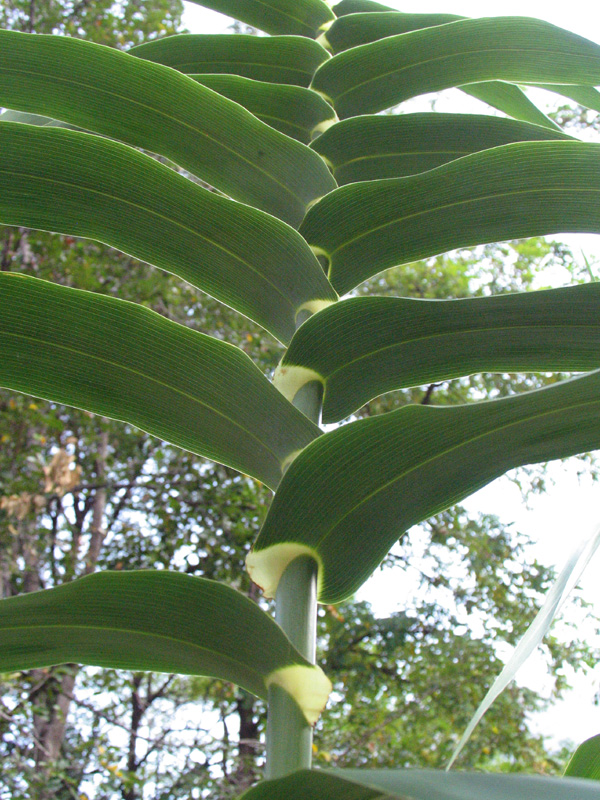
(315, 192)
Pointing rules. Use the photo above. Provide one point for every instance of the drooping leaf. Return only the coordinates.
(353, 30)
(363, 347)
(510, 192)
(75, 183)
(362, 28)
(585, 761)
(157, 620)
(146, 105)
(276, 59)
(419, 784)
(393, 145)
(293, 110)
(509, 99)
(301, 17)
(534, 635)
(376, 76)
(350, 31)
(350, 494)
(123, 361)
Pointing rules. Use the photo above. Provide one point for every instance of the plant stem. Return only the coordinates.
(289, 735)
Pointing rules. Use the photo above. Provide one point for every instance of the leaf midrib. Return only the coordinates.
(180, 66)
(449, 334)
(459, 54)
(160, 636)
(478, 199)
(401, 153)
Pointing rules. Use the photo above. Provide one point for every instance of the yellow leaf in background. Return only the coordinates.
(17, 505)
(61, 475)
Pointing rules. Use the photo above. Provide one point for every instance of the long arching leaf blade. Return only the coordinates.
(366, 346)
(376, 76)
(293, 110)
(362, 28)
(300, 17)
(83, 185)
(277, 59)
(536, 632)
(419, 784)
(510, 192)
(146, 105)
(379, 146)
(162, 621)
(123, 361)
(350, 494)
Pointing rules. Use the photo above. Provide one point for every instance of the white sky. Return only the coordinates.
(571, 509)
(580, 16)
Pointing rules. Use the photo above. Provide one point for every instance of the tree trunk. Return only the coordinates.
(56, 691)
(246, 769)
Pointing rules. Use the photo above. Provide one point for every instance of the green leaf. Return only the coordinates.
(277, 59)
(585, 96)
(366, 346)
(301, 17)
(293, 110)
(350, 494)
(585, 761)
(509, 99)
(362, 28)
(356, 29)
(123, 361)
(162, 621)
(376, 76)
(419, 784)
(510, 192)
(358, 7)
(393, 145)
(83, 185)
(146, 105)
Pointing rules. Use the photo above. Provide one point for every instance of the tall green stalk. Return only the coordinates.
(289, 735)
